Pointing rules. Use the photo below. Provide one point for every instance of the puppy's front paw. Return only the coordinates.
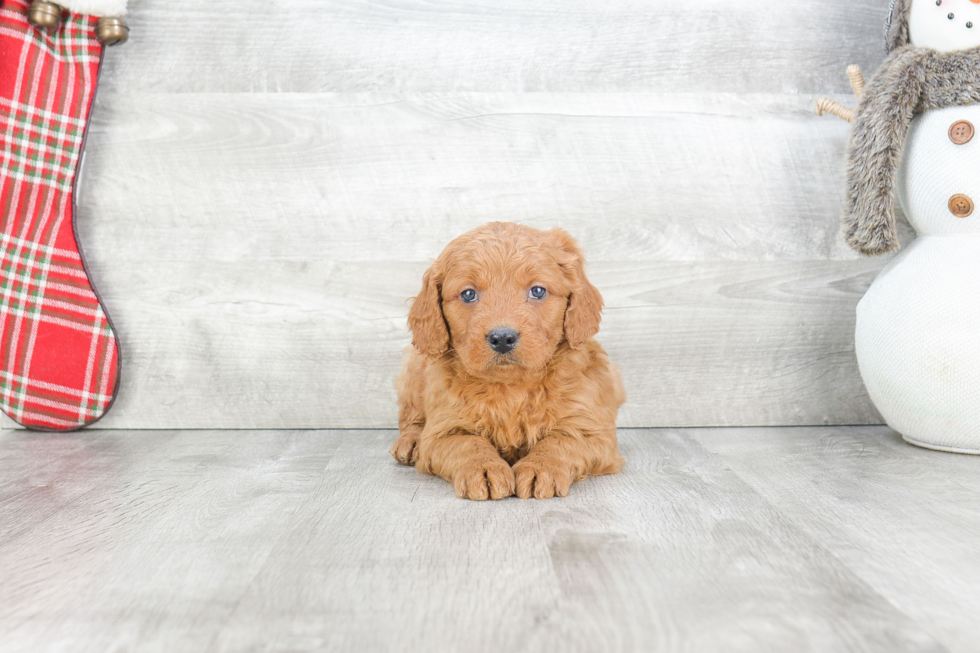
(480, 481)
(406, 449)
(541, 479)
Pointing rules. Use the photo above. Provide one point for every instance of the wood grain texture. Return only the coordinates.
(305, 344)
(302, 541)
(497, 45)
(897, 514)
(263, 187)
(162, 530)
(257, 252)
(640, 177)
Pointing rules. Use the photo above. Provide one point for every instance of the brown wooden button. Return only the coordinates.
(961, 206)
(961, 132)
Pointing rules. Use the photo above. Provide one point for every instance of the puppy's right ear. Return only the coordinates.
(429, 333)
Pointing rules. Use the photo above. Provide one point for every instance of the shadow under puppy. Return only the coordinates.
(505, 390)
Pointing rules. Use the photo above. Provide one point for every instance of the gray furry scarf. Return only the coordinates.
(910, 81)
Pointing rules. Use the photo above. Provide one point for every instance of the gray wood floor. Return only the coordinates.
(807, 539)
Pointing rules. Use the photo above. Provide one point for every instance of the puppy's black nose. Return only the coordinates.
(502, 339)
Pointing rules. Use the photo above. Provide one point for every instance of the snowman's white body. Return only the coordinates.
(918, 326)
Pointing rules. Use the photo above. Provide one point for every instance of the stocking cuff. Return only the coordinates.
(95, 7)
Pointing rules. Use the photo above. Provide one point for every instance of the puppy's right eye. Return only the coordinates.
(468, 296)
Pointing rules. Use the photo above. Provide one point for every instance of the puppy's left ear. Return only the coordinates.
(584, 310)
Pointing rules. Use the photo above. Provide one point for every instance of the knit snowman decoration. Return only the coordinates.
(914, 138)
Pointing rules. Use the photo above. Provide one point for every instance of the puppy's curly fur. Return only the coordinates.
(531, 421)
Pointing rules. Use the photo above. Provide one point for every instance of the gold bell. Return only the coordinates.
(45, 15)
(112, 30)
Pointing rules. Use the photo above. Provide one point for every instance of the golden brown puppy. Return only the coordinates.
(505, 370)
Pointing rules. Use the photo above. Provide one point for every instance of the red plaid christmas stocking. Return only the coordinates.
(59, 360)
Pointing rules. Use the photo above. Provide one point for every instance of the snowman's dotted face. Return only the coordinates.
(945, 25)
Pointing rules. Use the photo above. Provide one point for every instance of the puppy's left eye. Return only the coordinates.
(468, 296)
(538, 292)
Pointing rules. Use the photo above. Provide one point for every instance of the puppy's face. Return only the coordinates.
(504, 297)
(505, 309)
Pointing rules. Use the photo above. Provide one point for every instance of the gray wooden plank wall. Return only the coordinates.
(265, 183)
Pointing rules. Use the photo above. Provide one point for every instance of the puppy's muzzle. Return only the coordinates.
(502, 339)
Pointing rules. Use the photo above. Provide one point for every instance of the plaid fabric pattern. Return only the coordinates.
(58, 353)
